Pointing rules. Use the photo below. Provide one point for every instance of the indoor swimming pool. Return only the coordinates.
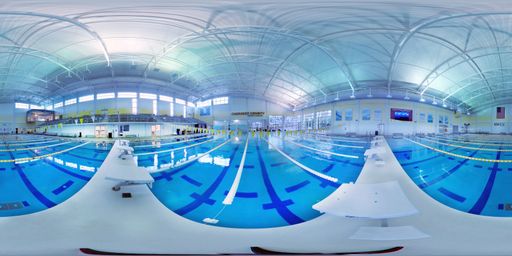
(272, 188)
(37, 173)
(468, 173)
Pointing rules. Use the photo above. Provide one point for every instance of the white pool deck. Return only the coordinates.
(99, 218)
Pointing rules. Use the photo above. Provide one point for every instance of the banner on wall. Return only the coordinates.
(339, 116)
(500, 113)
(205, 111)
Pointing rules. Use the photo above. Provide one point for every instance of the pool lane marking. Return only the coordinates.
(479, 206)
(205, 196)
(30, 143)
(444, 175)
(172, 143)
(322, 151)
(173, 149)
(334, 138)
(37, 194)
(316, 173)
(193, 159)
(276, 202)
(62, 169)
(41, 156)
(460, 156)
(471, 142)
(473, 148)
(174, 137)
(234, 187)
(32, 148)
(333, 144)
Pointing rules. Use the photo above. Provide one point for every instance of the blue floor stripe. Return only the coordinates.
(427, 159)
(205, 197)
(445, 174)
(191, 181)
(297, 186)
(63, 187)
(244, 194)
(60, 168)
(278, 164)
(452, 195)
(484, 197)
(277, 204)
(38, 195)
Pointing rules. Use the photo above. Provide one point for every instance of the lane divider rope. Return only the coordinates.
(322, 151)
(234, 187)
(460, 156)
(193, 159)
(41, 156)
(174, 149)
(316, 173)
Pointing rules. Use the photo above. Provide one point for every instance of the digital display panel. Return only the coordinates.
(401, 114)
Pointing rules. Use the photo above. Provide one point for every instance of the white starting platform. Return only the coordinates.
(388, 233)
(379, 201)
(125, 171)
(374, 201)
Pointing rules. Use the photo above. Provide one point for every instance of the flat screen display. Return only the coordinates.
(401, 114)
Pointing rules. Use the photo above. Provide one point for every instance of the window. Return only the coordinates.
(49, 107)
(179, 101)
(365, 115)
(171, 109)
(155, 109)
(58, 105)
(206, 103)
(377, 115)
(36, 107)
(422, 117)
(70, 102)
(148, 96)
(86, 98)
(323, 119)
(292, 123)
(309, 121)
(220, 101)
(134, 106)
(21, 105)
(165, 98)
(103, 96)
(275, 122)
(127, 95)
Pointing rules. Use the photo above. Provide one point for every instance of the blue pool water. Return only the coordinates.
(273, 191)
(30, 185)
(478, 185)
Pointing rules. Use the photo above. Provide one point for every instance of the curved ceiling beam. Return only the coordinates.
(424, 24)
(472, 98)
(67, 20)
(242, 29)
(437, 74)
(474, 82)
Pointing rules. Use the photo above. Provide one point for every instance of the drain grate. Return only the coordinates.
(505, 207)
(11, 206)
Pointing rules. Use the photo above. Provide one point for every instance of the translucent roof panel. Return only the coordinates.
(292, 52)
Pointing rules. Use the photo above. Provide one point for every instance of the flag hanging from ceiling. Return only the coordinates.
(500, 113)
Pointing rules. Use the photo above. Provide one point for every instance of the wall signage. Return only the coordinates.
(248, 113)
